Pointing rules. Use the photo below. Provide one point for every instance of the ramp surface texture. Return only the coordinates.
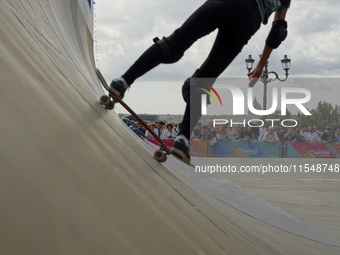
(75, 180)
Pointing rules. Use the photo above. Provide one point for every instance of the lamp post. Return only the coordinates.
(265, 75)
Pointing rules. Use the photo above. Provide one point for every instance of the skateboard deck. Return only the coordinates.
(109, 101)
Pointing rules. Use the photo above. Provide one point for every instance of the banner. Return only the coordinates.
(198, 148)
(253, 149)
(313, 150)
(259, 149)
(168, 142)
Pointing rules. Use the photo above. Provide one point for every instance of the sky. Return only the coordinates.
(125, 29)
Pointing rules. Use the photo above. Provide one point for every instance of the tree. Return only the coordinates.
(322, 115)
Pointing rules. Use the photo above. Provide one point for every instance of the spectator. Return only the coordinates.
(315, 129)
(263, 130)
(161, 126)
(176, 128)
(179, 126)
(281, 134)
(230, 129)
(139, 130)
(212, 144)
(152, 126)
(234, 133)
(255, 131)
(289, 135)
(223, 133)
(250, 131)
(169, 132)
(312, 136)
(303, 132)
(239, 129)
(131, 127)
(337, 135)
(328, 136)
(276, 129)
(320, 131)
(270, 136)
(246, 135)
(197, 131)
(297, 137)
(205, 134)
(211, 126)
(157, 126)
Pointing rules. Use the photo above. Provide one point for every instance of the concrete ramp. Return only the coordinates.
(248, 203)
(75, 180)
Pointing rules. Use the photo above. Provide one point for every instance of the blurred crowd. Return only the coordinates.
(265, 133)
(160, 128)
(268, 133)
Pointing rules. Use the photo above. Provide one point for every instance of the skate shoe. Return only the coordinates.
(181, 150)
(118, 87)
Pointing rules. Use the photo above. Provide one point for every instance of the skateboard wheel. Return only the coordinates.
(110, 105)
(160, 156)
(105, 100)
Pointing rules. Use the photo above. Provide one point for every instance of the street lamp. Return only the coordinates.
(265, 74)
(286, 64)
(249, 63)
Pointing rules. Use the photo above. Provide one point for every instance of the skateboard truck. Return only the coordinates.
(106, 102)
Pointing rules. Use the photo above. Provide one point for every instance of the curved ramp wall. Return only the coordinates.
(74, 180)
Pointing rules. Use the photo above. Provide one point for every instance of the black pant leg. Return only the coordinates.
(234, 33)
(202, 22)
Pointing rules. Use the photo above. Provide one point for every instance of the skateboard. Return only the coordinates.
(109, 101)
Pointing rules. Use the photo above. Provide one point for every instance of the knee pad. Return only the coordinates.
(171, 52)
(277, 34)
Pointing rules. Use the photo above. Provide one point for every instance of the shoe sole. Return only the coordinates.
(179, 154)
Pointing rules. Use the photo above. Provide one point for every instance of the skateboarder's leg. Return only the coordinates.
(228, 44)
(170, 49)
(233, 34)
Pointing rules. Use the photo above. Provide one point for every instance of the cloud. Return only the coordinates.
(125, 30)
